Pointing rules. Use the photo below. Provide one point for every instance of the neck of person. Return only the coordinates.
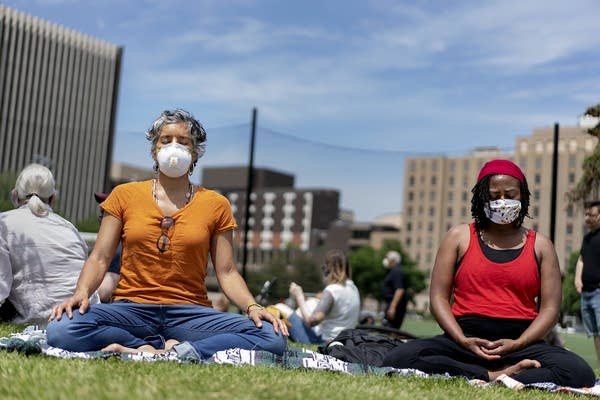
(173, 184)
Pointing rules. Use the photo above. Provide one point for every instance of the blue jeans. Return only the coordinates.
(302, 333)
(590, 312)
(201, 331)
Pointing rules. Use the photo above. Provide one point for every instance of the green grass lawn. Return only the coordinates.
(38, 377)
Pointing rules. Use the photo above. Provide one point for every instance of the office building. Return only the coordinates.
(281, 216)
(58, 101)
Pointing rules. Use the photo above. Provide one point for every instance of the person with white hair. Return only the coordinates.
(394, 290)
(41, 253)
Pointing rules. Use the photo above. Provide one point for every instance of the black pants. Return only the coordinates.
(440, 354)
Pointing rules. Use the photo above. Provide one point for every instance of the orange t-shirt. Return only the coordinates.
(176, 276)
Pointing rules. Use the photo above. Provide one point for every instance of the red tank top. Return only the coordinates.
(497, 290)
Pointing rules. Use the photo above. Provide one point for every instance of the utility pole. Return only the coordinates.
(554, 180)
(249, 188)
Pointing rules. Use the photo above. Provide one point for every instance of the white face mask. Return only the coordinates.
(503, 211)
(174, 160)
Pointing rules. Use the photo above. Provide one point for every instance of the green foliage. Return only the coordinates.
(7, 183)
(289, 266)
(571, 298)
(588, 186)
(368, 272)
(90, 224)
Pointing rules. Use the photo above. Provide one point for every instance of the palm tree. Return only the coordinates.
(588, 186)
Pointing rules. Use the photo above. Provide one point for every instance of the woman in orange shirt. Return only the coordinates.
(168, 227)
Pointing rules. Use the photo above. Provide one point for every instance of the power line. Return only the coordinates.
(244, 127)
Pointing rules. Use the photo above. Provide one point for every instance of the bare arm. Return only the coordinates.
(578, 271)
(442, 281)
(231, 282)
(398, 293)
(550, 293)
(94, 269)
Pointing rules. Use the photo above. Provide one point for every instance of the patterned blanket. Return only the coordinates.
(33, 341)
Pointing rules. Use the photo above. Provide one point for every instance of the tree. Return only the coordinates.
(287, 267)
(571, 299)
(368, 273)
(7, 183)
(588, 185)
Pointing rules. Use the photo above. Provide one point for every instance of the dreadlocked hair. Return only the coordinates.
(481, 196)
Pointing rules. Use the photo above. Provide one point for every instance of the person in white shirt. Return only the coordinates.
(41, 253)
(338, 307)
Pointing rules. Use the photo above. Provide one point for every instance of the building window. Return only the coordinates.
(571, 177)
(537, 179)
(433, 180)
(536, 194)
(570, 211)
(569, 229)
(448, 226)
(431, 211)
(534, 211)
(449, 212)
(430, 227)
(432, 196)
(465, 196)
(451, 181)
(450, 196)
(408, 242)
(572, 161)
(409, 211)
(409, 226)
(411, 181)
(411, 196)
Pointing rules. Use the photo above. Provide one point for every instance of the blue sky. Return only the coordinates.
(347, 88)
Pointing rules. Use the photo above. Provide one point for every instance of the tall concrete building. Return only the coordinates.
(437, 191)
(58, 101)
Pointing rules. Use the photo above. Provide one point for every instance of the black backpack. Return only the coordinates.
(361, 346)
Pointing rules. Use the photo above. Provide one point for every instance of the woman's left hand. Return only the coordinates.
(257, 315)
(499, 347)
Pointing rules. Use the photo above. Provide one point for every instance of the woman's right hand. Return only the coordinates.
(78, 300)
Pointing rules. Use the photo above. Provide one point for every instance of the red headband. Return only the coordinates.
(501, 167)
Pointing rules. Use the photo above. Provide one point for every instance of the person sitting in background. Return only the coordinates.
(496, 292)
(338, 307)
(41, 253)
(111, 279)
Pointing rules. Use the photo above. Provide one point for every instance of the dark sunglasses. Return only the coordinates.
(163, 242)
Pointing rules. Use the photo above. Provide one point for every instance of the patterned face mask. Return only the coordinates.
(503, 211)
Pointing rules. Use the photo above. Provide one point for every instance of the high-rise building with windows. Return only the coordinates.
(437, 193)
(58, 99)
